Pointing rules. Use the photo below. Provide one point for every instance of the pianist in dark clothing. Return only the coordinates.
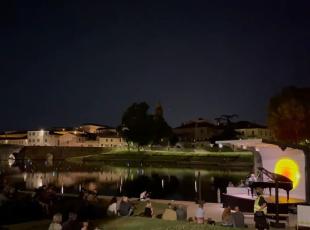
(260, 211)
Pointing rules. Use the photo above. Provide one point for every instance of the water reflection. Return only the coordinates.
(167, 183)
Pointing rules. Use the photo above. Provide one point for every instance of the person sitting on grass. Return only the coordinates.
(125, 207)
(144, 196)
(112, 209)
(85, 225)
(148, 210)
(181, 212)
(227, 217)
(200, 214)
(71, 223)
(238, 218)
(169, 213)
(56, 223)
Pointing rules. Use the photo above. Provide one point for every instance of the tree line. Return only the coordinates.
(288, 119)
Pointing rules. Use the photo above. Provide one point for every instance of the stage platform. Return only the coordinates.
(246, 202)
(271, 199)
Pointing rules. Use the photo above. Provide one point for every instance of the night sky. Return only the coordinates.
(69, 62)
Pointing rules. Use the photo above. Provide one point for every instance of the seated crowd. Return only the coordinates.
(178, 212)
(71, 224)
(126, 208)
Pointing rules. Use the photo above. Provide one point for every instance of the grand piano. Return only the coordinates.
(276, 181)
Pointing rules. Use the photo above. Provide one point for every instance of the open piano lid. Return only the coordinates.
(275, 177)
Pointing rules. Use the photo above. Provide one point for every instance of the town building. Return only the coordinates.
(249, 130)
(14, 138)
(52, 138)
(87, 135)
(91, 127)
(197, 132)
(112, 141)
(109, 137)
(42, 138)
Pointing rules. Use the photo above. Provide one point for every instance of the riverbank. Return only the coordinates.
(57, 153)
(121, 157)
(233, 160)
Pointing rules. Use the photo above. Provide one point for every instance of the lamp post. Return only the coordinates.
(199, 187)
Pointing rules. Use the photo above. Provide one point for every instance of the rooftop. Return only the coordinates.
(200, 122)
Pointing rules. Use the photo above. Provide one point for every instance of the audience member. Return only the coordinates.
(148, 210)
(230, 184)
(3, 199)
(210, 221)
(71, 223)
(181, 212)
(200, 214)
(144, 196)
(8, 190)
(237, 218)
(91, 196)
(241, 184)
(125, 207)
(169, 213)
(84, 225)
(112, 209)
(56, 223)
(227, 217)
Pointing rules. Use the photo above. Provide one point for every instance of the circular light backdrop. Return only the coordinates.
(288, 168)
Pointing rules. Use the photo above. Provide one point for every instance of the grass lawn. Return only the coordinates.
(141, 223)
(125, 223)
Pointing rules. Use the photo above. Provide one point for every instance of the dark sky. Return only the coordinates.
(63, 63)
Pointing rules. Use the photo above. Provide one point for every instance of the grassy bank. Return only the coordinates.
(172, 157)
(233, 159)
(59, 153)
(120, 223)
(126, 223)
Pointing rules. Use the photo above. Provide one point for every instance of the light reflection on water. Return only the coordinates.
(166, 183)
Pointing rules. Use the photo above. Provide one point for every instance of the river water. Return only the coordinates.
(169, 183)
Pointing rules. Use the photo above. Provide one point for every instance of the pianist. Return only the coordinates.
(251, 179)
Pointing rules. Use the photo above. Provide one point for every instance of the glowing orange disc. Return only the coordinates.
(288, 168)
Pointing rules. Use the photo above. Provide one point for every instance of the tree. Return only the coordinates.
(289, 115)
(137, 124)
(142, 128)
(228, 131)
(161, 130)
(228, 118)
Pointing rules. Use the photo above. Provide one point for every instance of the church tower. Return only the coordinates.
(159, 112)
